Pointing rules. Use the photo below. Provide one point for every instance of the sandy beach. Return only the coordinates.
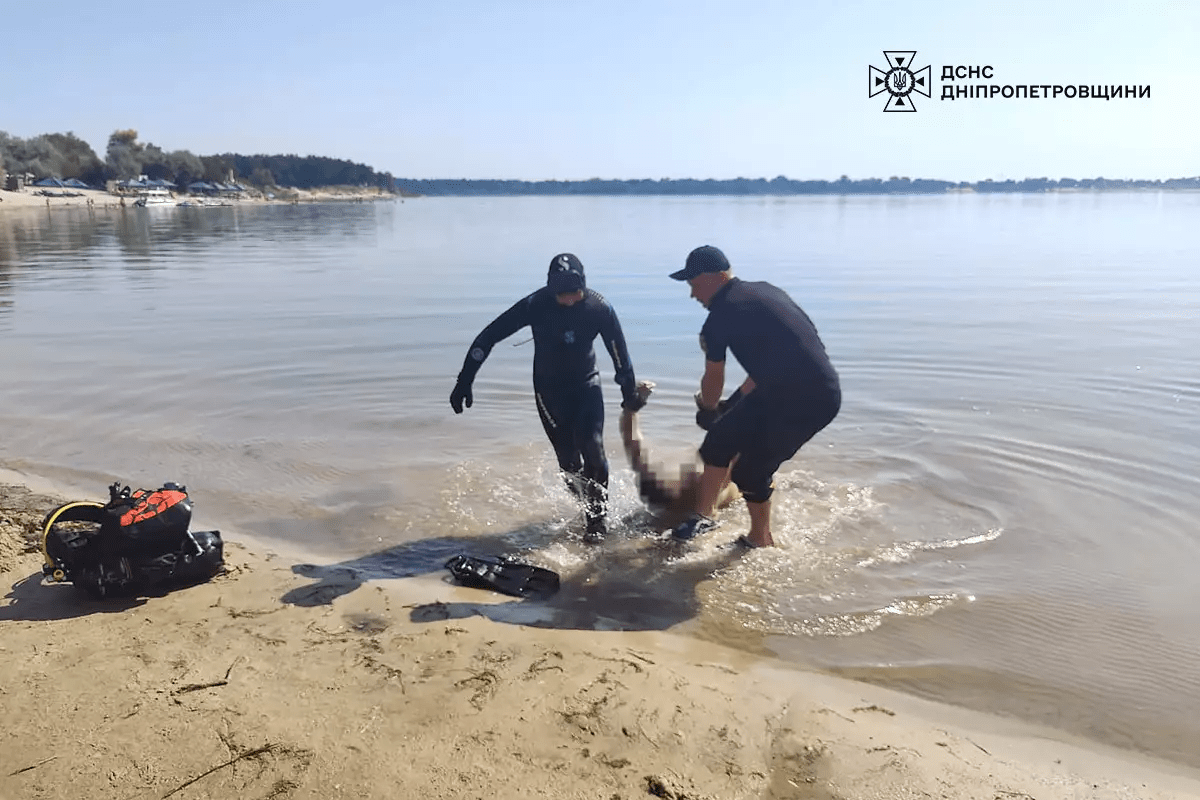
(264, 683)
(98, 198)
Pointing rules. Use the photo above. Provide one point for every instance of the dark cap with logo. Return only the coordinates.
(701, 260)
(566, 274)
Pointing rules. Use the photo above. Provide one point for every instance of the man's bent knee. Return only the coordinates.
(715, 454)
(756, 482)
(757, 495)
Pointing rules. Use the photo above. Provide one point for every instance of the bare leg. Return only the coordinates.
(712, 481)
(760, 524)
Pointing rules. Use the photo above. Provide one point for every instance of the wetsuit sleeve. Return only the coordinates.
(503, 326)
(614, 342)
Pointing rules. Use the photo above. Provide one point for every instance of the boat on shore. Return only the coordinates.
(154, 197)
(202, 202)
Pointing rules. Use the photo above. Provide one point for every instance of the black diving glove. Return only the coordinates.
(461, 396)
(633, 402)
(731, 401)
(705, 417)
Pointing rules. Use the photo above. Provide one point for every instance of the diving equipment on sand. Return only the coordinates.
(137, 541)
(503, 574)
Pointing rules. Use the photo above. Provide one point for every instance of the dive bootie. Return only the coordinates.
(692, 527)
(596, 530)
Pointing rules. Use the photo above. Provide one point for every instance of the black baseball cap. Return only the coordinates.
(701, 260)
(566, 274)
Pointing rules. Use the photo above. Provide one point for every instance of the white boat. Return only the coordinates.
(154, 197)
(201, 202)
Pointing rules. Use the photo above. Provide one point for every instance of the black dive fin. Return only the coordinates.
(503, 574)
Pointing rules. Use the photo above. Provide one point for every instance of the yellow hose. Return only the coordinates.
(53, 517)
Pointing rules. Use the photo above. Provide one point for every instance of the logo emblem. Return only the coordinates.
(477, 353)
(900, 80)
(569, 337)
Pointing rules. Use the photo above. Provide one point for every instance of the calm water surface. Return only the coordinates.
(1004, 516)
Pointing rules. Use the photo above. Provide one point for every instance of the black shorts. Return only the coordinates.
(762, 432)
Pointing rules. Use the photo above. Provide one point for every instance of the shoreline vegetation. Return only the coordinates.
(287, 680)
(779, 186)
(291, 178)
(57, 167)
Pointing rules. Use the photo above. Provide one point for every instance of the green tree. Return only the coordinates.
(185, 166)
(123, 156)
(216, 168)
(261, 176)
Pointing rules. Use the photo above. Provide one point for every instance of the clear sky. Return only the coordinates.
(639, 89)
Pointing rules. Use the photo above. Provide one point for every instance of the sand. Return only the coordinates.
(96, 198)
(266, 684)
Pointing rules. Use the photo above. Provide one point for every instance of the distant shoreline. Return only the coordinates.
(31, 197)
(1107, 190)
(99, 199)
(781, 186)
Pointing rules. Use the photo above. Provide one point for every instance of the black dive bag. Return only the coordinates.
(136, 542)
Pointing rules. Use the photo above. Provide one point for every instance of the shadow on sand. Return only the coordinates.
(33, 601)
(631, 582)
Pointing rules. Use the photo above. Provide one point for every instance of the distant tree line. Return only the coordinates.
(305, 172)
(60, 155)
(65, 156)
(448, 187)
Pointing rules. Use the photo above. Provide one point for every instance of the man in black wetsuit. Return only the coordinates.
(565, 317)
(790, 393)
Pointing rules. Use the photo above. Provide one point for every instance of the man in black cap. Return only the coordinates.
(790, 393)
(565, 317)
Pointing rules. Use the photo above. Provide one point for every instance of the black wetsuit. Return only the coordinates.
(566, 382)
(797, 391)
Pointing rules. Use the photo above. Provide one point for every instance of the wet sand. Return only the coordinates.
(265, 683)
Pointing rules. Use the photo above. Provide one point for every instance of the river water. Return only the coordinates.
(1004, 515)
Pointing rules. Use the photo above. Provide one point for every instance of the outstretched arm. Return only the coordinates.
(503, 326)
